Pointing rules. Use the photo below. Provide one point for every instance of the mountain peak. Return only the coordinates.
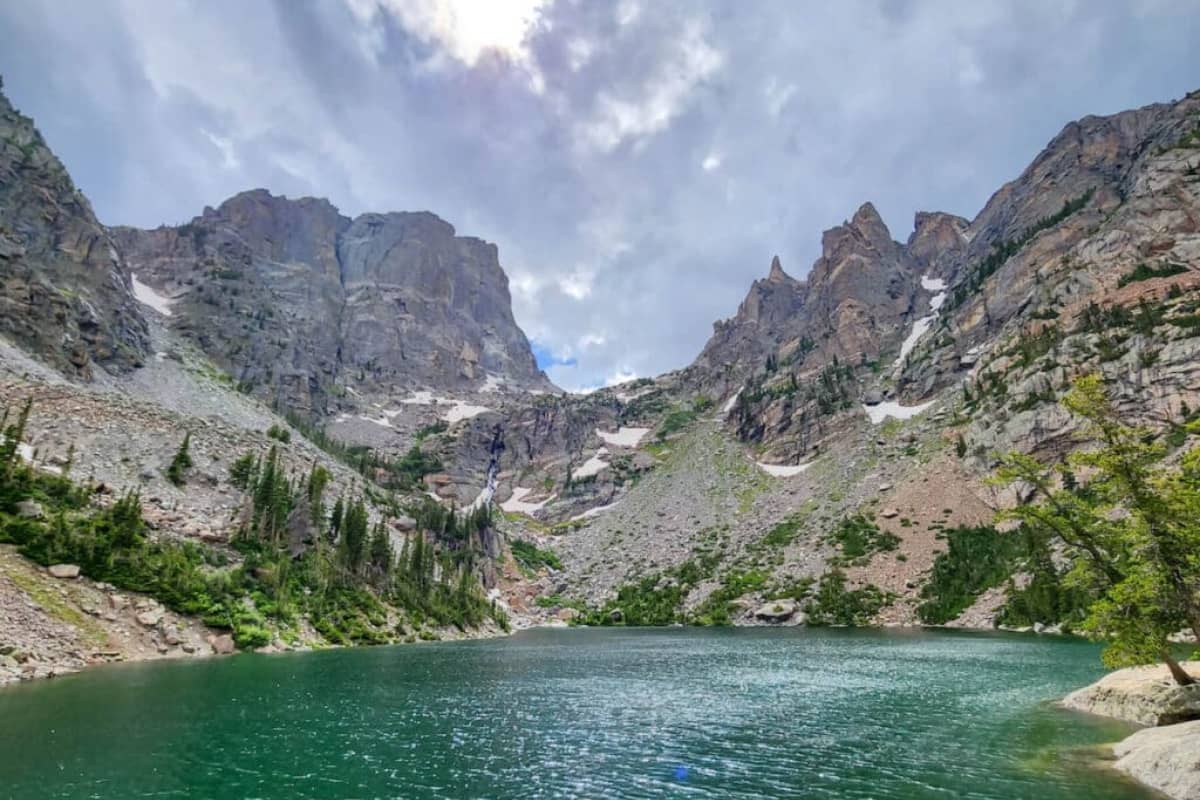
(867, 217)
(777, 274)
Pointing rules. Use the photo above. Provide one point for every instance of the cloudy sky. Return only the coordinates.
(638, 162)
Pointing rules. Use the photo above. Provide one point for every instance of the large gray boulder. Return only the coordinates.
(1143, 695)
(1166, 759)
(777, 611)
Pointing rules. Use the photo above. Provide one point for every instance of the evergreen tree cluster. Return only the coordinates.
(1003, 250)
(335, 568)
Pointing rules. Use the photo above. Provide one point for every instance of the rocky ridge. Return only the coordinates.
(65, 291)
(313, 311)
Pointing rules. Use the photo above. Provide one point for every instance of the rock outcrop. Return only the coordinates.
(1165, 756)
(1166, 759)
(300, 304)
(65, 293)
(1142, 695)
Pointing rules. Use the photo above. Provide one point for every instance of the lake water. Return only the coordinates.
(718, 713)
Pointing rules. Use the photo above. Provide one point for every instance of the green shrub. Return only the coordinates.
(531, 558)
(834, 604)
(279, 433)
(977, 559)
(858, 539)
(1145, 272)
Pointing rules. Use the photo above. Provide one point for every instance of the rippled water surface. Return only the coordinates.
(577, 713)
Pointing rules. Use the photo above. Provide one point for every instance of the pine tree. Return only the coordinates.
(182, 461)
(381, 551)
(335, 519)
(1141, 564)
(354, 536)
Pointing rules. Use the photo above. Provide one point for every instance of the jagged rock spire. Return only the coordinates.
(777, 273)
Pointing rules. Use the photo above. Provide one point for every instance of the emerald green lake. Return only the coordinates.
(577, 713)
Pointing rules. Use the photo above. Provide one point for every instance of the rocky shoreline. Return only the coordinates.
(54, 621)
(1165, 755)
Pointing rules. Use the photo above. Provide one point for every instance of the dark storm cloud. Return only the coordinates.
(638, 163)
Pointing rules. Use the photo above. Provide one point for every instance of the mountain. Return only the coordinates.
(827, 456)
(301, 304)
(65, 291)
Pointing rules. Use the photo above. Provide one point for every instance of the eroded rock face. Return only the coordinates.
(853, 305)
(65, 293)
(298, 302)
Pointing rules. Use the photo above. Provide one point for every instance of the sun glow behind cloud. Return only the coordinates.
(464, 29)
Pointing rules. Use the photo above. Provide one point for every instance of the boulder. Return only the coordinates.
(872, 397)
(150, 618)
(776, 611)
(30, 509)
(63, 570)
(222, 645)
(1143, 695)
(889, 513)
(1166, 759)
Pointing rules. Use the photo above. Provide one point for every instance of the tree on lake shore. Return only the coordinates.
(1128, 518)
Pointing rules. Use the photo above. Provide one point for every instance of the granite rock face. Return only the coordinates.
(899, 323)
(1166, 759)
(853, 305)
(301, 304)
(1142, 695)
(65, 293)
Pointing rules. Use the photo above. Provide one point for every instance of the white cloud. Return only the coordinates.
(777, 95)
(578, 284)
(711, 161)
(579, 53)
(627, 12)
(465, 29)
(662, 97)
(224, 145)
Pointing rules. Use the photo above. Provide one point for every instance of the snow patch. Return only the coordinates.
(517, 505)
(922, 325)
(592, 512)
(783, 470)
(890, 408)
(592, 466)
(624, 437)
(147, 296)
(459, 409)
(383, 421)
(731, 402)
(919, 329)
(25, 451)
(463, 410)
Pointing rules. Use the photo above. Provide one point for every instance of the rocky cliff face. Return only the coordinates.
(301, 304)
(904, 321)
(65, 293)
